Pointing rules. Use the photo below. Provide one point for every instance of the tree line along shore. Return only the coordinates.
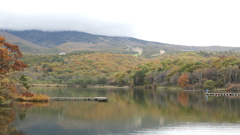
(188, 70)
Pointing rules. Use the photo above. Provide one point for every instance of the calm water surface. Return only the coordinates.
(130, 112)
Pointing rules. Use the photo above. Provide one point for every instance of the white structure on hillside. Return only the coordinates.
(162, 52)
(62, 53)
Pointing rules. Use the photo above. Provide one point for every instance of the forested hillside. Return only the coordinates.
(81, 68)
(189, 70)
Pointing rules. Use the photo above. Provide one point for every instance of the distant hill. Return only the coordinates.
(27, 46)
(11, 38)
(46, 42)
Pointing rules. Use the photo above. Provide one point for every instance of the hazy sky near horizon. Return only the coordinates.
(183, 22)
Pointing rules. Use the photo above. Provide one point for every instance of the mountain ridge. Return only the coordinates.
(72, 41)
(13, 39)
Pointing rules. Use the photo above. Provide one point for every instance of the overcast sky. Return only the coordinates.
(183, 22)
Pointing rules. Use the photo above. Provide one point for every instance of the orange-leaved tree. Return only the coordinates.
(183, 80)
(9, 55)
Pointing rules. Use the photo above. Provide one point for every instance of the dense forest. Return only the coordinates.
(189, 70)
(80, 68)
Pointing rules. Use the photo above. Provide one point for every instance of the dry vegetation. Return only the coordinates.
(34, 98)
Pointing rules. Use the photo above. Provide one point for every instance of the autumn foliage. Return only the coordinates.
(27, 94)
(9, 55)
(85, 68)
(183, 80)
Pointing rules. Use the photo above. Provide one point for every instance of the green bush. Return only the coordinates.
(209, 84)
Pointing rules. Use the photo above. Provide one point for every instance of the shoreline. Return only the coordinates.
(111, 86)
(96, 86)
(105, 86)
(47, 85)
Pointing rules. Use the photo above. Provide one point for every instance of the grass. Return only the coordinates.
(34, 98)
(136, 55)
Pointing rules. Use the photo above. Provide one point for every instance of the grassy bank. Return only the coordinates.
(34, 98)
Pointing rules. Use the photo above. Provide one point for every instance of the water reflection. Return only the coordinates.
(7, 117)
(128, 111)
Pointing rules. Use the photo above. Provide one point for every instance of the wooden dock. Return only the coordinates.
(99, 99)
(222, 94)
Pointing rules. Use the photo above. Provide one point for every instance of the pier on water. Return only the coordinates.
(99, 99)
(222, 94)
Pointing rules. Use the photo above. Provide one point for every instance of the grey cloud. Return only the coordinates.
(58, 22)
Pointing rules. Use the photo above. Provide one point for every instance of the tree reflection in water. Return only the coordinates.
(127, 111)
(7, 117)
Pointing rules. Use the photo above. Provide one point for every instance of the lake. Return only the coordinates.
(129, 112)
